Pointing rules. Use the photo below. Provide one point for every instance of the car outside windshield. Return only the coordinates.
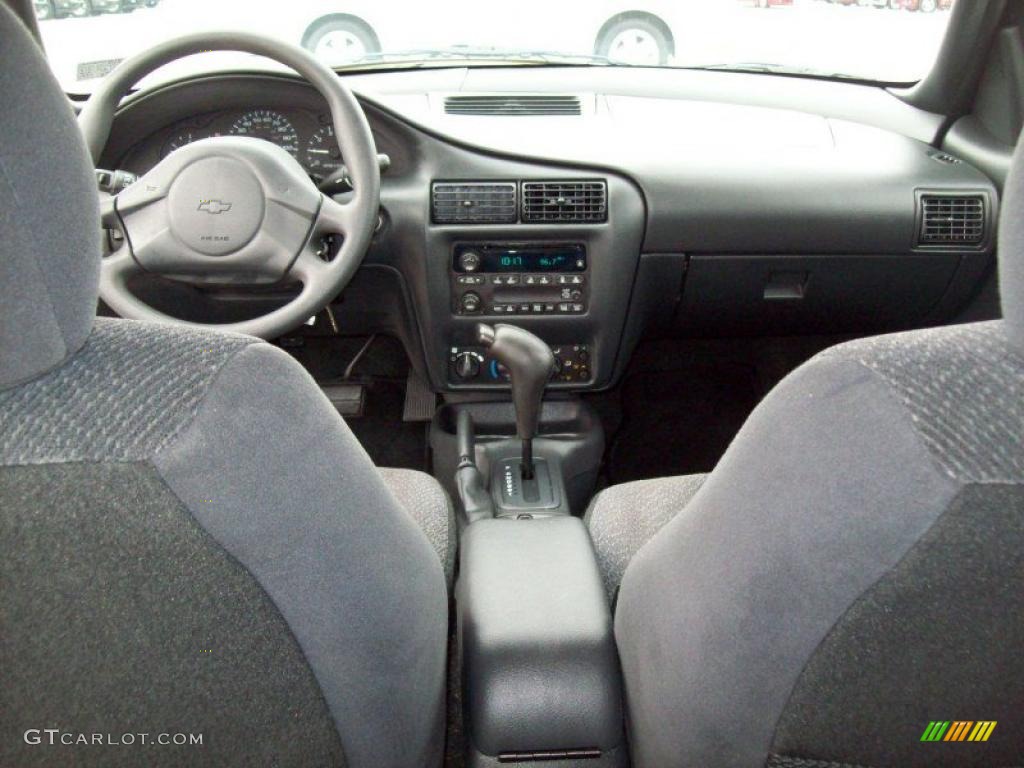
(891, 41)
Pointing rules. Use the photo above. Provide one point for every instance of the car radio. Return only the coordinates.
(501, 279)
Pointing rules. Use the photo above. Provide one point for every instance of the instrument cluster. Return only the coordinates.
(305, 135)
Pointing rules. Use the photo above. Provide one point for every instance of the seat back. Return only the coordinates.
(199, 565)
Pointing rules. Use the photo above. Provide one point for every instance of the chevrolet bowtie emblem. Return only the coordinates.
(213, 206)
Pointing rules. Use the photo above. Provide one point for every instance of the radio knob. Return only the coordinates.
(470, 303)
(470, 261)
(467, 366)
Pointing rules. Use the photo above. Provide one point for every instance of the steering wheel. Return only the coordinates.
(234, 209)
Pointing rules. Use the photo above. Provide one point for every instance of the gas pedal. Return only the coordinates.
(420, 400)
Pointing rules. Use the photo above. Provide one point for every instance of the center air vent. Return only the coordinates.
(474, 203)
(952, 220)
(513, 105)
(564, 202)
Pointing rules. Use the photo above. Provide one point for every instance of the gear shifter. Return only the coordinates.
(530, 364)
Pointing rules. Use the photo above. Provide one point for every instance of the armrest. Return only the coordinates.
(541, 673)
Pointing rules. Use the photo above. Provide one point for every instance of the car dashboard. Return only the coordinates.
(595, 207)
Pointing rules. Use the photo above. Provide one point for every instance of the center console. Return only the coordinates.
(551, 253)
(540, 674)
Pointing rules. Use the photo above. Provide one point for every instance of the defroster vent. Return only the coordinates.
(952, 220)
(474, 202)
(564, 202)
(513, 104)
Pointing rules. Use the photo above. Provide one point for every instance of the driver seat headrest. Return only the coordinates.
(49, 216)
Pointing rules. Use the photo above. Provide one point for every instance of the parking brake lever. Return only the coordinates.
(476, 501)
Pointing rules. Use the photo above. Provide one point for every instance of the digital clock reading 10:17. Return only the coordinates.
(533, 261)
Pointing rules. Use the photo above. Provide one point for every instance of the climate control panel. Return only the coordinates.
(502, 279)
(473, 365)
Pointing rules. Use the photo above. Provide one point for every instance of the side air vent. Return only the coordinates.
(473, 203)
(564, 202)
(513, 105)
(952, 220)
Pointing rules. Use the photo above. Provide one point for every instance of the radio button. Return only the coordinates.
(512, 280)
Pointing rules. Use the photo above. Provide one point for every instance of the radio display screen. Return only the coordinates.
(525, 258)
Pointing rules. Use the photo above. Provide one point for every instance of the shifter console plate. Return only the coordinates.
(514, 495)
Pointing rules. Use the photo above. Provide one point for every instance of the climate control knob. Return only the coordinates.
(470, 261)
(467, 366)
(470, 302)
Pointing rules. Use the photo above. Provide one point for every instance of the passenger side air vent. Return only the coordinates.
(513, 105)
(564, 202)
(473, 203)
(952, 220)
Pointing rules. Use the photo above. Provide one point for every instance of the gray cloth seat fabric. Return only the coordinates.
(423, 497)
(191, 539)
(853, 568)
(623, 518)
(751, 624)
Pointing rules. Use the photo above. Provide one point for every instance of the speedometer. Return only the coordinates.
(271, 126)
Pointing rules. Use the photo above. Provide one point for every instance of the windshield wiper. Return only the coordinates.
(417, 57)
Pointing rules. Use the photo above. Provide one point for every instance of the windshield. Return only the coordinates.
(892, 41)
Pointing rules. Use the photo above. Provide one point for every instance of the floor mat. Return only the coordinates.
(390, 441)
(682, 401)
(679, 421)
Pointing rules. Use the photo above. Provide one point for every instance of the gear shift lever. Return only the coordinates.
(530, 363)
